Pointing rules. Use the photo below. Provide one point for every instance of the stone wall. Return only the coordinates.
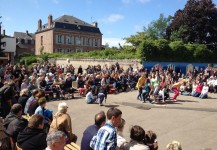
(85, 62)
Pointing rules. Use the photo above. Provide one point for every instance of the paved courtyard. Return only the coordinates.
(191, 121)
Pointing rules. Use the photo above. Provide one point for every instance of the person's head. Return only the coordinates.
(40, 94)
(120, 128)
(42, 102)
(62, 107)
(56, 140)
(35, 92)
(17, 109)
(137, 133)
(114, 116)
(100, 119)
(175, 145)
(151, 140)
(24, 92)
(36, 121)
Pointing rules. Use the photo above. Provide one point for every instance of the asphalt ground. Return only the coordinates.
(191, 121)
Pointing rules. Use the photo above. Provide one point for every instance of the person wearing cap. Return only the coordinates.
(33, 137)
(62, 122)
(14, 123)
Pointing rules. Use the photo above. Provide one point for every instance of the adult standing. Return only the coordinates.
(139, 85)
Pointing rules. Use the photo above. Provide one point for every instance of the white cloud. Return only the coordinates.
(114, 42)
(113, 18)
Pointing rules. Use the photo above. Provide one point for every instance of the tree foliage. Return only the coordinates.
(196, 23)
(157, 28)
(136, 39)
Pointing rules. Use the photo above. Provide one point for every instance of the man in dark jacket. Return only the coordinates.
(6, 97)
(92, 130)
(33, 137)
(14, 123)
(23, 98)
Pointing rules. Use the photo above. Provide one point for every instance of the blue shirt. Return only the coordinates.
(106, 138)
(87, 136)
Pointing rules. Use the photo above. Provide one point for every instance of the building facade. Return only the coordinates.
(25, 42)
(9, 47)
(67, 34)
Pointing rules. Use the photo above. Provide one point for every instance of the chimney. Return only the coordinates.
(27, 32)
(95, 24)
(50, 21)
(3, 33)
(39, 24)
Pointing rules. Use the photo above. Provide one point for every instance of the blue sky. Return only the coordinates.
(116, 18)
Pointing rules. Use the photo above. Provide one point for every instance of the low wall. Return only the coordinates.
(85, 62)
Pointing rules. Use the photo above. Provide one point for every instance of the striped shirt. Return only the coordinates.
(106, 138)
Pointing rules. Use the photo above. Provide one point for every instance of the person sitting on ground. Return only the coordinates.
(33, 137)
(151, 140)
(204, 92)
(14, 123)
(55, 140)
(121, 141)
(90, 99)
(175, 145)
(137, 135)
(92, 130)
(198, 89)
(62, 122)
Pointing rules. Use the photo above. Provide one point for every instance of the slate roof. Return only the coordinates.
(24, 35)
(72, 23)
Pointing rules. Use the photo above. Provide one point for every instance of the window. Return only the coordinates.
(59, 39)
(41, 40)
(4, 44)
(90, 42)
(70, 40)
(81, 41)
(22, 41)
(78, 41)
(29, 41)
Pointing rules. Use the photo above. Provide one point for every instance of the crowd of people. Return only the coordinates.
(26, 91)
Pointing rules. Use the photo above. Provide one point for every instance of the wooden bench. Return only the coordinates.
(72, 146)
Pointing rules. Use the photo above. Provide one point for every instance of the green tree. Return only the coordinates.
(157, 28)
(199, 19)
(136, 39)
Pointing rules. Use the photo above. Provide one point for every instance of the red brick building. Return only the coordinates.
(67, 34)
(25, 42)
